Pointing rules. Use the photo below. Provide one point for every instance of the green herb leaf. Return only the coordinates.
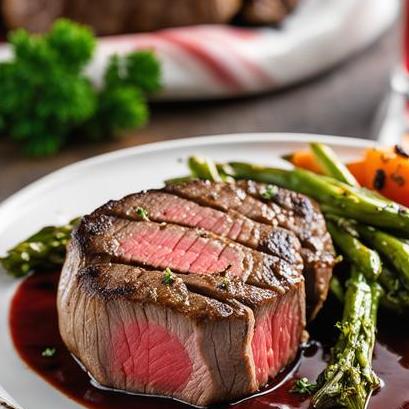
(270, 192)
(139, 69)
(168, 277)
(74, 44)
(46, 99)
(142, 213)
(48, 352)
(304, 387)
(43, 91)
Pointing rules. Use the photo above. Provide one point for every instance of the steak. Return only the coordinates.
(194, 292)
(120, 16)
(125, 16)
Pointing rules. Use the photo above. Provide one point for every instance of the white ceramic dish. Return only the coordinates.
(79, 188)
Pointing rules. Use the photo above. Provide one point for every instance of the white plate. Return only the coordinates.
(79, 188)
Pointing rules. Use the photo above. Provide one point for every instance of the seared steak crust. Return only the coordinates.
(283, 208)
(228, 316)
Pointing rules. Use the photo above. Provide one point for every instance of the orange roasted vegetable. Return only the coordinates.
(358, 169)
(383, 169)
(387, 171)
(304, 160)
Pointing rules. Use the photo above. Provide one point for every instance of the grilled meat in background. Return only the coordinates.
(123, 16)
(265, 12)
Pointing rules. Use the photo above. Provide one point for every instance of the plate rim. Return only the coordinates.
(215, 139)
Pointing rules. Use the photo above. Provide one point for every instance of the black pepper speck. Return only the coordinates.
(379, 179)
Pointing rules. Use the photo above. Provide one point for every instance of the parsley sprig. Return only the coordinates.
(47, 100)
(304, 387)
(142, 213)
(270, 192)
(48, 352)
(168, 276)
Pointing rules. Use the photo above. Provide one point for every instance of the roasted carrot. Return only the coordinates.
(383, 169)
(387, 171)
(358, 169)
(305, 160)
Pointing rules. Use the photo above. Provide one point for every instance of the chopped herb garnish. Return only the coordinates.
(224, 285)
(48, 352)
(168, 277)
(401, 151)
(380, 179)
(142, 213)
(304, 386)
(270, 192)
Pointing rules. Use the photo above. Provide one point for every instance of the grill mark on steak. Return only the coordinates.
(147, 286)
(289, 210)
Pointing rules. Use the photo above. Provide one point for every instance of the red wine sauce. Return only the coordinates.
(34, 327)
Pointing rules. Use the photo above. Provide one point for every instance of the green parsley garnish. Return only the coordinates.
(142, 213)
(168, 277)
(270, 192)
(48, 352)
(304, 387)
(47, 99)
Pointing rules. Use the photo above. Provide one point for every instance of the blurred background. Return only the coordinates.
(312, 66)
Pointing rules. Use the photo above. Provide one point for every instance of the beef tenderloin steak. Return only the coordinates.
(230, 315)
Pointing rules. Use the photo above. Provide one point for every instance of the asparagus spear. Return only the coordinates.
(44, 250)
(330, 164)
(349, 201)
(346, 239)
(204, 169)
(396, 296)
(207, 169)
(392, 248)
(349, 380)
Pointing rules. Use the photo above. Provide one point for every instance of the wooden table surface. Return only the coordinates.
(343, 101)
